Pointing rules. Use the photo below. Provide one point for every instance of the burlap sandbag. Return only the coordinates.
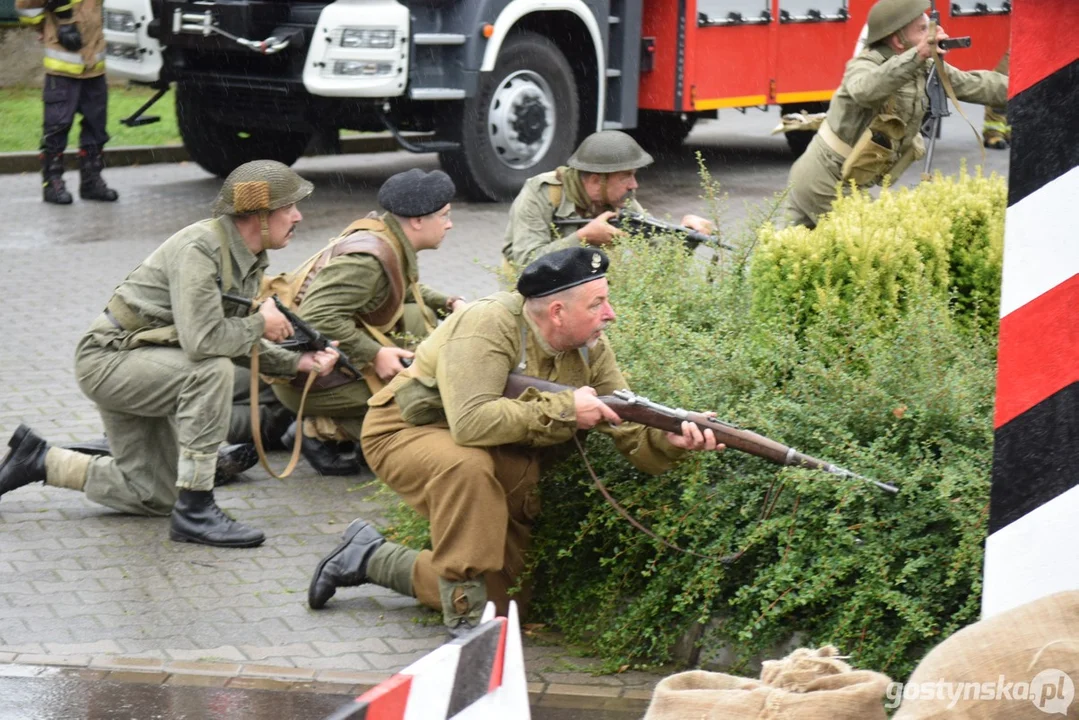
(1032, 650)
(807, 685)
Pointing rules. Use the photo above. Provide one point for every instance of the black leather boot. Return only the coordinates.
(53, 189)
(196, 518)
(231, 459)
(92, 186)
(346, 566)
(25, 462)
(327, 458)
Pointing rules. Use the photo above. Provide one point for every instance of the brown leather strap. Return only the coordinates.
(725, 559)
(946, 83)
(256, 424)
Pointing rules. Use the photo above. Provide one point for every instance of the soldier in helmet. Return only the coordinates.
(445, 439)
(873, 122)
(158, 362)
(598, 180)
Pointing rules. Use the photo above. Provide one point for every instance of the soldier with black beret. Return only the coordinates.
(468, 459)
(365, 292)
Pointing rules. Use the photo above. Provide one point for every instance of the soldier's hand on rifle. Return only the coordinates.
(693, 439)
(590, 411)
(696, 222)
(599, 232)
(387, 362)
(925, 48)
(322, 362)
(278, 327)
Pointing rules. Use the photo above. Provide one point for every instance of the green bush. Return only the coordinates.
(871, 254)
(904, 397)
(883, 577)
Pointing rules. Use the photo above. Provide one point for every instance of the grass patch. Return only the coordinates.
(22, 111)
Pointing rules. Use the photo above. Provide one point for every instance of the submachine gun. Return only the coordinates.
(304, 338)
(938, 101)
(648, 225)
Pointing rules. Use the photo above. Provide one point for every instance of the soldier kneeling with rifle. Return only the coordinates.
(597, 182)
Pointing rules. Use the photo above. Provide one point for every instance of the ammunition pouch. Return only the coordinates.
(420, 402)
(876, 152)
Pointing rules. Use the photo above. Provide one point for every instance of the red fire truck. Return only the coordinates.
(504, 89)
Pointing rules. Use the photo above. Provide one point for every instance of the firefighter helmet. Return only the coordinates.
(609, 151)
(890, 16)
(260, 185)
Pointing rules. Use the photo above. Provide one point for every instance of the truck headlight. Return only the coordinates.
(124, 51)
(362, 67)
(119, 21)
(367, 38)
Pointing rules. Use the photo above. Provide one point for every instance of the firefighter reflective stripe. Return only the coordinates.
(69, 62)
(31, 16)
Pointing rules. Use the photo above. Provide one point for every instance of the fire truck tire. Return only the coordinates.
(220, 148)
(521, 122)
(799, 141)
(658, 131)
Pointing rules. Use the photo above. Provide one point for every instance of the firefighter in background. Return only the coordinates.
(996, 132)
(873, 122)
(74, 82)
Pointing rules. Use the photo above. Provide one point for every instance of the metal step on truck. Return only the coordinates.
(502, 89)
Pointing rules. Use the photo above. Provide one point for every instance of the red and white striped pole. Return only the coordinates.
(480, 676)
(1033, 547)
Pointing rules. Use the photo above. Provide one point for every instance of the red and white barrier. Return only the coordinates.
(480, 676)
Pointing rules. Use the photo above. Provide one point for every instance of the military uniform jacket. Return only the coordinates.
(86, 14)
(878, 79)
(177, 286)
(357, 284)
(530, 233)
(461, 369)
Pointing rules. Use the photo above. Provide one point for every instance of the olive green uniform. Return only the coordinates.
(875, 81)
(164, 384)
(530, 232)
(443, 437)
(996, 125)
(351, 285)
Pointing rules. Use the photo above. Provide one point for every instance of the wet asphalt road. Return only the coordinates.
(65, 697)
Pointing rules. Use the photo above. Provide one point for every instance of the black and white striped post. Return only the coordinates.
(1033, 546)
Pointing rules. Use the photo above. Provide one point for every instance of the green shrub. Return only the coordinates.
(874, 255)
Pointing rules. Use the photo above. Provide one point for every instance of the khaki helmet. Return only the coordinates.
(609, 151)
(260, 186)
(890, 16)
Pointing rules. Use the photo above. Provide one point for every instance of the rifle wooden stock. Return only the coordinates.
(643, 411)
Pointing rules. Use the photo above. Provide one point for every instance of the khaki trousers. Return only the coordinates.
(481, 502)
(165, 416)
(813, 181)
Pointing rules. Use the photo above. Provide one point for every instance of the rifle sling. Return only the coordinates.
(724, 559)
(256, 425)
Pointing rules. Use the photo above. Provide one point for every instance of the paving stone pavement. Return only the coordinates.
(81, 585)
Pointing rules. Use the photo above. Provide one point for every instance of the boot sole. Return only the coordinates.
(350, 533)
(180, 537)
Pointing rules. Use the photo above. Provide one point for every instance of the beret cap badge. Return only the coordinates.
(562, 270)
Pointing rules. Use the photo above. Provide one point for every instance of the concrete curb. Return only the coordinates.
(23, 162)
(253, 676)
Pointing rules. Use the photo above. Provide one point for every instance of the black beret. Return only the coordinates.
(562, 270)
(414, 193)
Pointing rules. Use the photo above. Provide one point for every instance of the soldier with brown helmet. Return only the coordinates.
(872, 128)
(598, 180)
(158, 362)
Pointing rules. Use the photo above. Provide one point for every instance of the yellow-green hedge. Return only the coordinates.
(868, 255)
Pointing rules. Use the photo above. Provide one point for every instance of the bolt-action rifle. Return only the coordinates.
(646, 224)
(638, 409)
(304, 338)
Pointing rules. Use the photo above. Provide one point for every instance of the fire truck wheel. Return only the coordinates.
(662, 130)
(220, 148)
(522, 121)
(798, 141)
